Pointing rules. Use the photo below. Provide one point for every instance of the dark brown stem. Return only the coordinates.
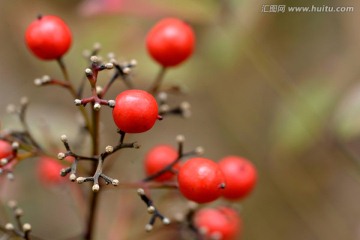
(94, 195)
(158, 80)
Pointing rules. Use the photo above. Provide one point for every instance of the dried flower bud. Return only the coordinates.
(26, 227)
(77, 102)
(61, 155)
(64, 138)
(148, 227)
(95, 187)
(97, 106)
(151, 209)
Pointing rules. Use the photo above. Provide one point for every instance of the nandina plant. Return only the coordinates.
(134, 111)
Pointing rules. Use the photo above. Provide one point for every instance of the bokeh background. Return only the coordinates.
(281, 89)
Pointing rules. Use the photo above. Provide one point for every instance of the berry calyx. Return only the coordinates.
(48, 37)
(5, 149)
(201, 180)
(240, 175)
(170, 42)
(135, 111)
(157, 159)
(218, 223)
(48, 170)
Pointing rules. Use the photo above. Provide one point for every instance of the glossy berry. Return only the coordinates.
(240, 175)
(48, 37)
(48, 170)
(201, 180)
(5, 149)
(158, 158)
(218, 223)
(170, 42)
(135, 111)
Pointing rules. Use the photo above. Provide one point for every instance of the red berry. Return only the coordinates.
(135, 111)
(201, 180)
(170, 42)
(48, 37)
(158, 158)
(5, 149)
(218, 223)
(48, 170)
(240, 175)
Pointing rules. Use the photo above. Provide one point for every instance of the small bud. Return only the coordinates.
(141, 191)
(133, 62)
(111, 55)
(86, 53)
(111, 103)
(199, 150)
(115, 182)
(136, 145)
(185, 105)
(109, 65)
(46, 78)
(164, 108)
(179, 217)
(97, 46)
(10, 176)
(109, 149)
(148, 227)
(151, 209)
(63, 172)
(64, 138)
(98, 90)
(88, 72)
(15, 145)
(11, 108)
(61, 155)
(80, 180)
(126, 70)
(24, 101)
(12, 204)
(72, 177)
(94, 59)
(77, 102)
(97, 106)
(38, 82)
(18, 212)
(4, 161)
(95, 187)
(26, 227)
(192, 205)
(9, 227)
(166, 221)
(162, 96)
(180, 138)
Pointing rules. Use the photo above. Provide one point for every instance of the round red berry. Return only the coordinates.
(5, 149)
(218, 223)
(201, 180)
(48, 37)
(240, 175)
(48, 170)
(135, 111)
(158, 158)
(170, 42)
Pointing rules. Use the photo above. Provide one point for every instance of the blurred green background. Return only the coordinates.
(278, 88)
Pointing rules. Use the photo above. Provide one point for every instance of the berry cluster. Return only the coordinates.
(170, 42)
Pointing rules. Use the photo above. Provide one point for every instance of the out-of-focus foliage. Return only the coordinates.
(278, 88)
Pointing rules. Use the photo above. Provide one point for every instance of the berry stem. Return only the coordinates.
(94, 195)
(158, 80)
(73, 92)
